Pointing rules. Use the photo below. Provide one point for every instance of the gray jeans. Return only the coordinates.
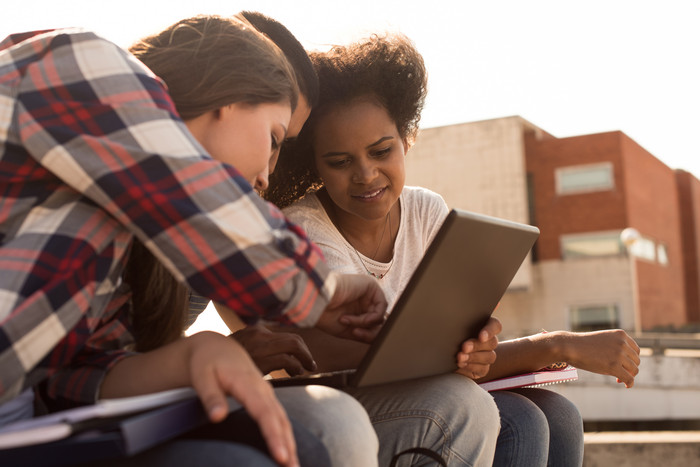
(338, 420)
(447, 414)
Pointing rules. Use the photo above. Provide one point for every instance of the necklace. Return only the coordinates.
(362, 261)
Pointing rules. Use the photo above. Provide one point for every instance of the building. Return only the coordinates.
(582, 192)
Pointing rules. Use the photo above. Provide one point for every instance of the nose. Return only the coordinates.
(365, 171)
(262, 180)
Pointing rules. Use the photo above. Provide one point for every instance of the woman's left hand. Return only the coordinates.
(609, 352)
(477, 355)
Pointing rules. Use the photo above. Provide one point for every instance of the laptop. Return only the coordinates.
(449, 298)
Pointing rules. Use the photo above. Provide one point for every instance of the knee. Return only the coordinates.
(338, 419)
(522, 419)
(489, 417)
(471, 403)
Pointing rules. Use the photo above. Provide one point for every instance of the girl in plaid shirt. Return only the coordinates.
(95, 155)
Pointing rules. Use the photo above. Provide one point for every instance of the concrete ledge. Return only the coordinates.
(641, 449)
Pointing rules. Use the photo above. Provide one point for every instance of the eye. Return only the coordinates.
(275, 145)
(338, 163)
(379, 153)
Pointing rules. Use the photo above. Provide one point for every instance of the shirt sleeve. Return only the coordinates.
(99, 120)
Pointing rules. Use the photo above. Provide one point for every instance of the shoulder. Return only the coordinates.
(80, 54)
(307, 209)
(308, 213)
(423, 203)
(423, 212)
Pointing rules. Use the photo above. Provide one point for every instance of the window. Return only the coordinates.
(584, 178)
(661, 254)
(594, 317)
(590, 245)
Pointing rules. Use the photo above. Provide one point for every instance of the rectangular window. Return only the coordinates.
(584, 178)
(594, 317)
(591, 245)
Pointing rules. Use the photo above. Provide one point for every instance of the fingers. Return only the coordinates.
(262, 405)
(219, 367)
(630, 369)
(288, 362)
(276, 350)
(358, 288)
(474, 371)
(366, 335)
(478, 345)
(492, 328)
(365, 320)
(289, 352)
(211, 395)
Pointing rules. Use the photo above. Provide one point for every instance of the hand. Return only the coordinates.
(219, 367)
(477, 355)
(275, 350)
(357, 309)
(610, 352)
(216, 367)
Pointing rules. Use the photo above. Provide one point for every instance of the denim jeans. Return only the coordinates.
(447, 414)
(234, 442)
(337, 419)
(538, 428)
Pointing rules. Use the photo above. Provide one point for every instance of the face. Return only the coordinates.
(245, 136)
(359, 154)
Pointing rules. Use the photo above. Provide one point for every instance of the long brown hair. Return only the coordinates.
(207, 62)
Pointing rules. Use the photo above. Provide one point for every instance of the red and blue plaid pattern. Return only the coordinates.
(92, 153)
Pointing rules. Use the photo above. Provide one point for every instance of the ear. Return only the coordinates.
(406, 145)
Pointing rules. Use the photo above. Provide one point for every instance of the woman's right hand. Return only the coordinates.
(357, 309)
(275, 350)
(216, 367)
(220, 367)
(478, 354)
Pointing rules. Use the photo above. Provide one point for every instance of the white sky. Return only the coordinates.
(569, 67)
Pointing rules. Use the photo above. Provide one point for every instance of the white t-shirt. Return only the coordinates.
(422, 214)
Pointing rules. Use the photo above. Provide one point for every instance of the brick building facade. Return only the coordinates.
(582, 192)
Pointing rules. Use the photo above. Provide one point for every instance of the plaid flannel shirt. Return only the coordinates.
(92, 153)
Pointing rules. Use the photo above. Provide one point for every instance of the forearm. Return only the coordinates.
(157, 370)
(528, 354)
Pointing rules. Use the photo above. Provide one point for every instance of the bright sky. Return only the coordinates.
(569, 67)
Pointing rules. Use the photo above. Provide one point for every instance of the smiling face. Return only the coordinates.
(359, 154)
(246, 136)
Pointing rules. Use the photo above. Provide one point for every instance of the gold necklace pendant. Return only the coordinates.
(362, 261)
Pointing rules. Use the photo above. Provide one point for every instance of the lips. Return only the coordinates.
(370, 195)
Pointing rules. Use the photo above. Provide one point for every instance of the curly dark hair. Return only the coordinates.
(386, 69)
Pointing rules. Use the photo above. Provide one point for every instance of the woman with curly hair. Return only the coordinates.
(343, 182)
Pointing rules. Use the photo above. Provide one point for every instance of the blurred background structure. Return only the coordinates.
(618, 249)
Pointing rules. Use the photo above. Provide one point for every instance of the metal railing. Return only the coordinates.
(660, 342)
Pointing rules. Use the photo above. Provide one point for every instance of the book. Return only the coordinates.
(109, 429)
(59, 425)
(99, 439)
(533, 379)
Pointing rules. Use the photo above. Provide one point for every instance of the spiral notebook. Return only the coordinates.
(532, 380)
